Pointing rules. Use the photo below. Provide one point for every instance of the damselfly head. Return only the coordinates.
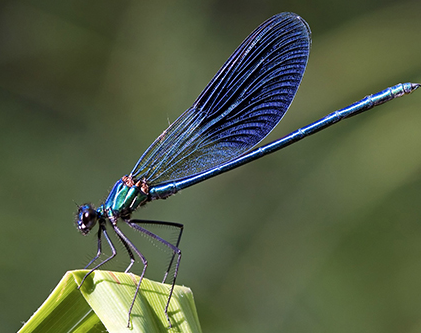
(86, 218)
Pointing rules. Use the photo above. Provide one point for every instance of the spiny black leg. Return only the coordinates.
(173, 284)
(171, 224)
(132, 260)
(174, 249)
(181, 227)
(144, 261)
(113, 250)
(99, 249)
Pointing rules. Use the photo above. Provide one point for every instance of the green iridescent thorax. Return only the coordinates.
(124, 198)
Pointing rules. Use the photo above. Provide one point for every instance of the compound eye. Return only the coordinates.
(86, 218)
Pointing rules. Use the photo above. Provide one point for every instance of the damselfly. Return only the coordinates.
(238, 108)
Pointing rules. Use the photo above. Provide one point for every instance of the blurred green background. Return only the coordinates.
(324, 236)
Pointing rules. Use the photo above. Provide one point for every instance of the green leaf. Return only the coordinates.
(102, 305)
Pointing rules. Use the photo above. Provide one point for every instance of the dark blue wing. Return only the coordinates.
(240, 106)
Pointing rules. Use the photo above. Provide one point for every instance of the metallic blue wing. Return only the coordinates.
(240, 106)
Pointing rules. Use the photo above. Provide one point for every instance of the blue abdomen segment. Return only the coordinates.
(124, 199)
